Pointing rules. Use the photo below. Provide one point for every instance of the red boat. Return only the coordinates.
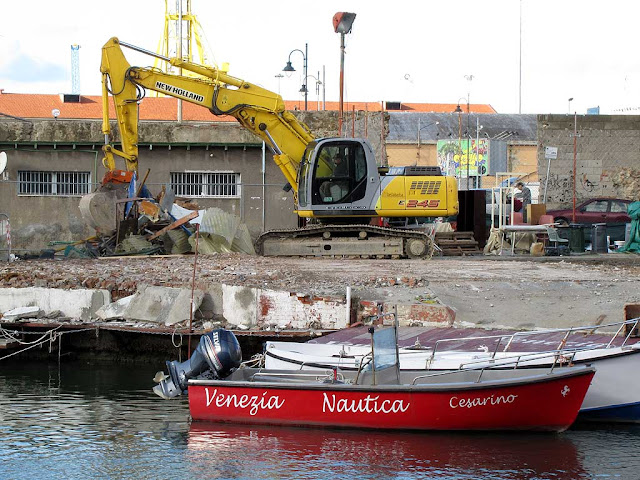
(500, 400)
(379, 395)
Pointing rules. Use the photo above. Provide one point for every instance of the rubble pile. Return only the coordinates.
(129, 221)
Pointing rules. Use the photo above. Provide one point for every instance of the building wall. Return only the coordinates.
(522, 159)
(607, 157)
(409, 154)
(38, 220)
(67, 145)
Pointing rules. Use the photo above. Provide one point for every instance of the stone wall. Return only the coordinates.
(607, 157)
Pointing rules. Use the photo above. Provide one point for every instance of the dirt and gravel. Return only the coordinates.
(513, 292)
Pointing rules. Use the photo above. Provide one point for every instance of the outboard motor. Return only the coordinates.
(218, 351)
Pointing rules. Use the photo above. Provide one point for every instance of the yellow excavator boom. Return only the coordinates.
(256, 109)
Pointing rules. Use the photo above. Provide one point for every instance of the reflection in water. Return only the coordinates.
(80, 421)
(309, 453)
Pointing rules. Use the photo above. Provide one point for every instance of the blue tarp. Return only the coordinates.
(131, 192)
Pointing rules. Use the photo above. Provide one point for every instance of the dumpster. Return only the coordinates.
(599, 242)
(576, 237)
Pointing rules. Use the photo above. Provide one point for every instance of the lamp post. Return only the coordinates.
(289, 68)
(342, 22)
(318, 83)
(458, 110)
(419, 129)
(279, 77)
(469, 78)
(569, 110)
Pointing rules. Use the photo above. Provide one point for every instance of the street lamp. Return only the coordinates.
(279, 77)
(289, 68)
(458, 110)
(570, 100)
(342, 23)
(419, 129)
(318, 83)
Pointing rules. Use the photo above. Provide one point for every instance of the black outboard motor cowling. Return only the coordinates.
(218, 351)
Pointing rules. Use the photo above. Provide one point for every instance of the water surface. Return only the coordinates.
(81, 421)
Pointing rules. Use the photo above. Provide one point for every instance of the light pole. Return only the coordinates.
(458, 110)
(289, 68)
(342, 22)
(419, 129)
(478, 128)
(279, 77)
(520, 65)
(469, 78)
(318, 83)
(569, 110)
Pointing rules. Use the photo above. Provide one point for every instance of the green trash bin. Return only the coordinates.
(576, 237)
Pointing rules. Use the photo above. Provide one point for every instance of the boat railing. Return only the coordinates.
(560, 357)
(295, 377)
(629, 326)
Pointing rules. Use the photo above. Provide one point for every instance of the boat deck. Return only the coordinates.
(472, 338)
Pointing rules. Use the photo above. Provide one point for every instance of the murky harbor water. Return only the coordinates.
(81, 421)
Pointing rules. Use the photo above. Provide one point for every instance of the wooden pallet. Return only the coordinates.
(457, 244)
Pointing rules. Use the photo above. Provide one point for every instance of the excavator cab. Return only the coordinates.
(337, 177)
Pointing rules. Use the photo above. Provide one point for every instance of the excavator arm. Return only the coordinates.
(256, 109)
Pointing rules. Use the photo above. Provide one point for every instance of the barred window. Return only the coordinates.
(206, 184)
(70, 184)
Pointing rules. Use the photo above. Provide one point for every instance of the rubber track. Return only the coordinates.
(318, 230)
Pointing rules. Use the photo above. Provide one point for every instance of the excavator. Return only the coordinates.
(342, 205)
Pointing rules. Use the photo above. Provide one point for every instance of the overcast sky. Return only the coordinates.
(407, 51)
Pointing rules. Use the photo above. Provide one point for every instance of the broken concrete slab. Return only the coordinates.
(164, 305)
(20, 313)
(115, 310)
(81, 303)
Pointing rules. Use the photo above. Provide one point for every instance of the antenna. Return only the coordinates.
(3, 162)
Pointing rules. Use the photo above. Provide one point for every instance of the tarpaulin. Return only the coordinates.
(633, 243)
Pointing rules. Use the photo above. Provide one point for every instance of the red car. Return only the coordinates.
(612, 211)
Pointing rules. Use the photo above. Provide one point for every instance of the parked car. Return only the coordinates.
(612, 211)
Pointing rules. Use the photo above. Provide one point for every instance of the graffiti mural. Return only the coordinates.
(464, 157)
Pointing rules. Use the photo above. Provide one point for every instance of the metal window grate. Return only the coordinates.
(206, 184)
(71, 184)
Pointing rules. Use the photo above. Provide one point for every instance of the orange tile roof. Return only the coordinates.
(26, 105)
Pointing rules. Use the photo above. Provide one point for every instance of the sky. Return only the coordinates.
(519, 56)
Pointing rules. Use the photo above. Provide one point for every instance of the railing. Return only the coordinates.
(284, 377)
(480, 366)
(630, 325)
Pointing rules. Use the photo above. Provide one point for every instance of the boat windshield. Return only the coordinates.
(385, 351)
